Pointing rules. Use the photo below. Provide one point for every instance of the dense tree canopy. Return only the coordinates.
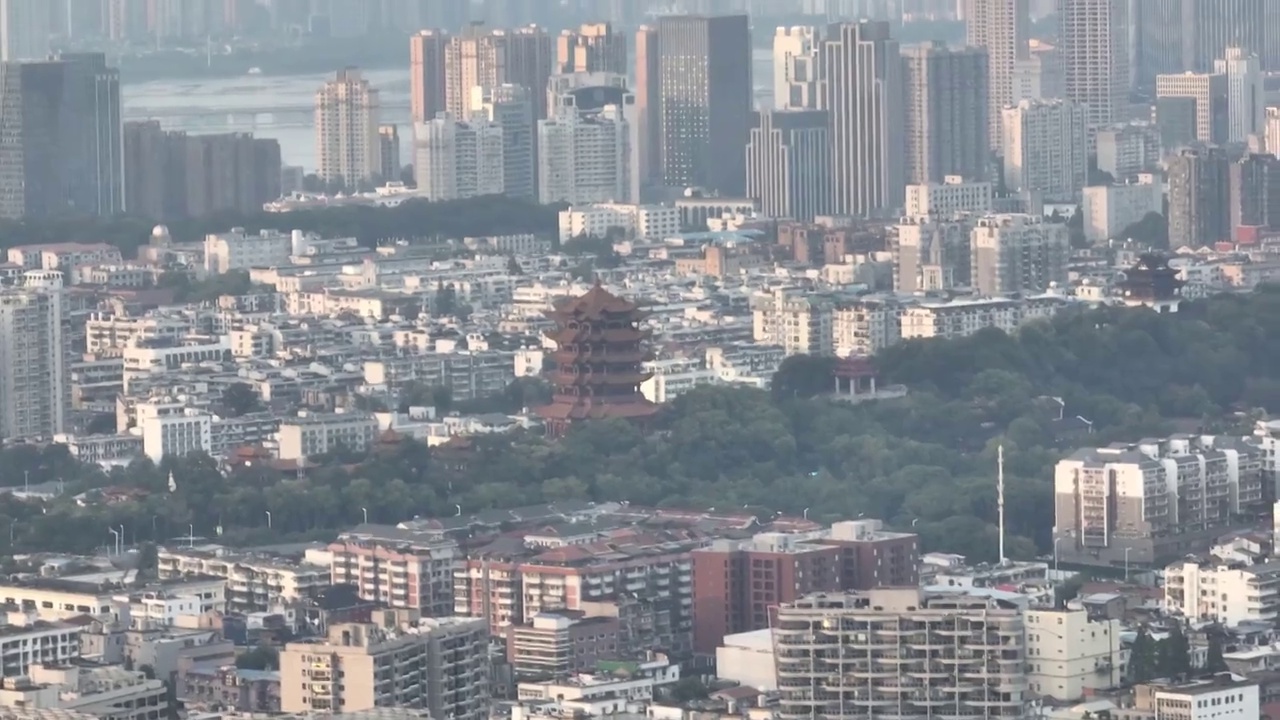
(925, 462)
(494, 215)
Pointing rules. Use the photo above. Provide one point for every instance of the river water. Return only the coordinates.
(280, 106)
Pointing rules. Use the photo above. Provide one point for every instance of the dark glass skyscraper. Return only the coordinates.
(704, 80)
(60, 138)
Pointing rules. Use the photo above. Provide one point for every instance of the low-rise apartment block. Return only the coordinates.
(1224, 591)
(555, 644)
(253, 582)
(398, 568)
(317, 433)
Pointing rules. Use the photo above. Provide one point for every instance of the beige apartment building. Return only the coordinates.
(440, 665)
(398, 568)
(1140, 502)
(964, 653)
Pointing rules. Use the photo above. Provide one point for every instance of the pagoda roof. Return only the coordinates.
(596, 409)
(596, 301)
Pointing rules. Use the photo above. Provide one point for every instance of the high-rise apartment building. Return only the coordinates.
(979, 667)
(389, 152)
(1206, 96)
(441, 665)
(1128, 149)
(789, 163)
(860, 87)
(704, 76)
(1095, 57)
(1246, 101)
(1003, 27)
(1220, 24)
(648, 91)
(1160, 34)
(1045, 148)
(453, 159)
(1039, 76)
(170, 175)
(397, 568)
(1147, 500)
(930, 254)
(24, 30)
(1255, 192)
(487, 58)
(511, 108)
(586, 158)
(593, 47)
(61, 140)
(427, 74)
(1018, 254)
(347, 146)
(795, 68)
(945, 112)
(35, 352)
(1199, 197)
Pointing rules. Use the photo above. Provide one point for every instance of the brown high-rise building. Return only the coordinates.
(648, 105)
(172, 175)
(704, 72)
(594, 47)
(427, 73)
(738, 584)
(488, 58)
(599, 351)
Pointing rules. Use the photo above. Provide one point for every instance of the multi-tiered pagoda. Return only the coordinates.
(1151, 282)
(599, 351)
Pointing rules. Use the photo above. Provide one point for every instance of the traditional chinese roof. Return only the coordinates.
(596, 302)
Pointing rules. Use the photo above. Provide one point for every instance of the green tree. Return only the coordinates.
(261, 657)
(803, 376)
(1215, 663)
(240, 399)
(1173, 657)
(1143, 657)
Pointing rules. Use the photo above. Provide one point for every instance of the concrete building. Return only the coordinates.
(1071, 656)
(1018, 254)
(427, 50)
(1254, 182)
(1246, 100)
(238, 250)
(389, 153)
(861, 90)
(557, 644)
(1153, 499)
(72, 691)
(1219, 698)
(453, 160)
(945, 112)
(953, 196)
(1045, 147)
(511, 108)
(441, 665)
(593, 47)
(963, 317)
(797, 321)
(789, 164)
(254, 583)
(1208, 93)
(989, 677)
(397, 568)
(317, 433)
(1199, 198)
(739, 583)
(648, 92)
(587, 158)
(1223, 591)
(795, 67)
(931, 254)
(26, 645)
(25, 30)
(481, 57)
(1094, 44)
(1128, 149)
(35, 388)
(747, 659)
(704, 68)
(1039, 76)
(170, 429)
(1109, 209)
(649, 223)
(347, 120)
(64, 143)
(1003, 27)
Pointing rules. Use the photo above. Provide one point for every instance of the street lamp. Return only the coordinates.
(114, 532)
(268, 519)
(1126, 564)
(1055, 552)
(365, 510)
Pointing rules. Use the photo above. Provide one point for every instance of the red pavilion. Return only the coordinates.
(599, 351)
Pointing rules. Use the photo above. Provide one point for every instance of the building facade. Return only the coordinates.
(789, 164)
(945, 112)
(347, 119)
(1046, 148)
(1018, 254)
(453, 160)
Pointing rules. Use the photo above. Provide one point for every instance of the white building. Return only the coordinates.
(171, 429)
(26, 643)
(1016, 253)
(1094, 43)
(801, 323)
(747, 658)
(453, 159)
(1225, 591)
(35, 373)
(943, 200)
(586, 158)
(795, 68)
(237, 250)
(865, 326)
(929, 254)
(1246, 99)
(253, 582)
(674, 377)
(961, 318)
(1128, 149)
(1045, 146)
(511, 108)
(1070, 655)
(1109, 209)
(646, 223)
(24, 30)
(1038, 76)
(348, 147)
(316, 433)
(1213, 699)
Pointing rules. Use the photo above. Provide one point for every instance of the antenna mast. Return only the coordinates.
(1000, 495)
